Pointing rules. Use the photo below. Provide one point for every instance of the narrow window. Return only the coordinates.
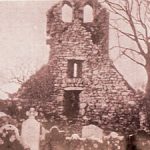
(75, 68)
(88, 14)
(67, 13)
(71, 103)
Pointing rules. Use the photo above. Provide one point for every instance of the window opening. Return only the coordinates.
(75, 68)
(67, 13)
(88, 14)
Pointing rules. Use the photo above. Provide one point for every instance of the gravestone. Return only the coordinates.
(114, 140)
(9, 138)
(142, 140)
(55, 139)
(30, 132)
(92, 132)
(56, 134)
(11, 128)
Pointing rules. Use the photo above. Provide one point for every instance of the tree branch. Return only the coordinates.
(137, 62)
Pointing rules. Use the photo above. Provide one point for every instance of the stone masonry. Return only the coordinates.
(103, 95)
(80, 84)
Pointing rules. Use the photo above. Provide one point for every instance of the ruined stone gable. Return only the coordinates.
(86, 83)
(80, 82)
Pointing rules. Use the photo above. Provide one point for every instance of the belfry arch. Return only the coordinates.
(88, 14)
(67, 13)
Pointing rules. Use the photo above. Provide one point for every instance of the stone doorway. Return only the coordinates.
(71, 103)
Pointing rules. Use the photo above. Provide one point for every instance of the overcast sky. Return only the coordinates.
(23, 42)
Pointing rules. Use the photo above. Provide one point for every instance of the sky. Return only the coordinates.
(23, 44)
(22, 39)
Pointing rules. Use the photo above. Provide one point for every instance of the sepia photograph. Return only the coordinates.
(75, 75)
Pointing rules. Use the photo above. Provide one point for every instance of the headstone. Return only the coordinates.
(9, 138)
(55, 139)
(114, 140)
(30, 133)
(56, 134)
(74, 137)
(115, 135)
(11, 128)
(142, 140)
(92, 132)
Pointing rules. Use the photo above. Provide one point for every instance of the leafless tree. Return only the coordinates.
(21, 72)
(132, 22)
(17, 75)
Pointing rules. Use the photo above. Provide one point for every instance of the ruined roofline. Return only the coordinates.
(72, 3)
(82, 2)
(126, 83)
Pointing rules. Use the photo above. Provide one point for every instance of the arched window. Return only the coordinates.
(88, 14)
(67, 13)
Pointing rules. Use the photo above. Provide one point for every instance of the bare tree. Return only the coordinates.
(132, 25)
(22, 71)
(132, 22)
(15, 76)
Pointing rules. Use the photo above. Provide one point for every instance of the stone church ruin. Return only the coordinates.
(80, 81)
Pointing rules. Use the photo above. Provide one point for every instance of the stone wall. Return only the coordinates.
(106, 98)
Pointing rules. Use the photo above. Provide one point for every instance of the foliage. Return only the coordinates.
(39, 86)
